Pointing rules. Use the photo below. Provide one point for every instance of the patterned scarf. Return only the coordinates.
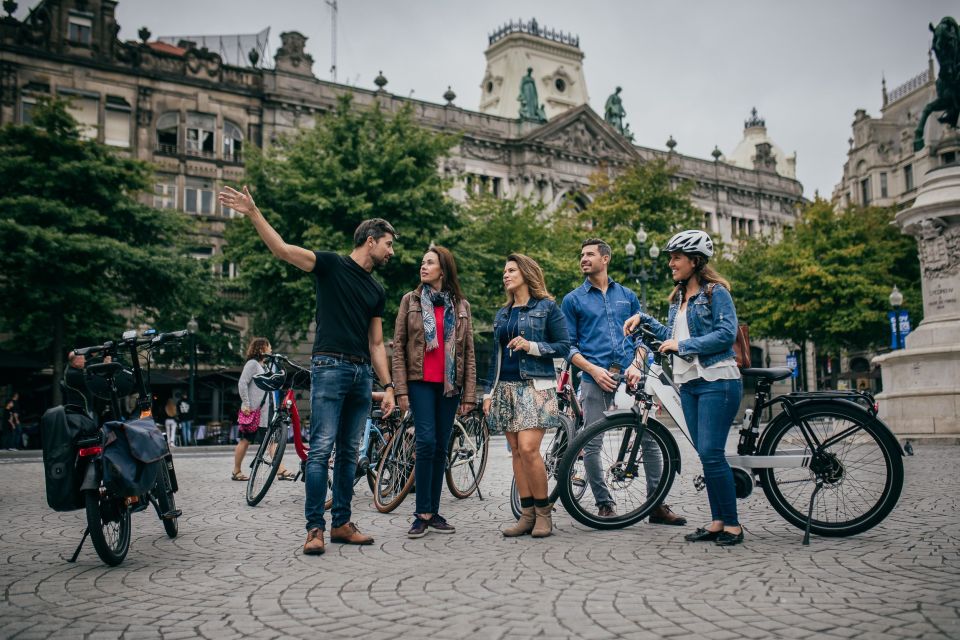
(428, 299)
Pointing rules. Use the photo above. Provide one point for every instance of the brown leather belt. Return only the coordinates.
(346, 357)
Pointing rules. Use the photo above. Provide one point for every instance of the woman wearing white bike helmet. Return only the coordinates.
(702, 323)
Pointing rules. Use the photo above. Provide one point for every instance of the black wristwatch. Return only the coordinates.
(389, 385)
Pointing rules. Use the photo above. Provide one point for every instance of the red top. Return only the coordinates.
(433, 360)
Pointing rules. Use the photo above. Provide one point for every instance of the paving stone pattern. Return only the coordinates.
(237, 572)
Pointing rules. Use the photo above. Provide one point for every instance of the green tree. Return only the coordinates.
(648, 194)
(80, 257)
(493, 228)
(828, 279)
(315, 187)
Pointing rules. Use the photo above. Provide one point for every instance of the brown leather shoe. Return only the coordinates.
(665, 515)
(349, 534)
(606, 511)
(314, 544)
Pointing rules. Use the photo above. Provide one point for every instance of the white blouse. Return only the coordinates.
(684, 371)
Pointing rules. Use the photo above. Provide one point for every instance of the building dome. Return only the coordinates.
(758, 151)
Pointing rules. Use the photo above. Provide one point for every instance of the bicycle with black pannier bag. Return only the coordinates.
(116, 469)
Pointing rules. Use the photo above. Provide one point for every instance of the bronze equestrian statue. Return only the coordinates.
(946, 46)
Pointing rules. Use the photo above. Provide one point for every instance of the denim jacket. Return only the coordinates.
(541, 322)
(712, 324)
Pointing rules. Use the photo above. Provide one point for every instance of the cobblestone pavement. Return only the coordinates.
(236, 571)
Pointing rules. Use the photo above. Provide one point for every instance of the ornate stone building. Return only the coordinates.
(183, 109)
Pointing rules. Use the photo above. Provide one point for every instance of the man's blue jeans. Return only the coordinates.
(709, 409)
(340, 401)
(433, 415)
(186, 432)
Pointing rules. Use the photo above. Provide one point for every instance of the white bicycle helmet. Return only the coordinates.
(691, 242)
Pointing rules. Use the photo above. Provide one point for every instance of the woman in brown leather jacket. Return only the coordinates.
(435, 371)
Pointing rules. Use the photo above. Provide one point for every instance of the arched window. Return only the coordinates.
(167, 126)
(232, 142)
(575, 200)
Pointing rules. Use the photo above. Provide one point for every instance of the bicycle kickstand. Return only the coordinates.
(76, 553)
(813, 497)
(474, 474)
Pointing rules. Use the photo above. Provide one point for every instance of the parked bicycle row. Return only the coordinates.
(826, 462)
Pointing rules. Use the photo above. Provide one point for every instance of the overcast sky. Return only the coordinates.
(691, 69)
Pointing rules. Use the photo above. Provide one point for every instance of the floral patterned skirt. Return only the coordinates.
(516, 406)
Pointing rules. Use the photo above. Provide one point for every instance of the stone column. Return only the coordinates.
(921, 383)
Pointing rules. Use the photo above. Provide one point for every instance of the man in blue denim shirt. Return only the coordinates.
(349, 339)
(595, 312)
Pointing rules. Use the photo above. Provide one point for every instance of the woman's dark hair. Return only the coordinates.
(448, 267)
(257, 349)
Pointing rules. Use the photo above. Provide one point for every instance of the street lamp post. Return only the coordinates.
(896, 299)
(644, 275)
(192, 327)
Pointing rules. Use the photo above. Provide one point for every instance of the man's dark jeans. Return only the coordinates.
(340, 402)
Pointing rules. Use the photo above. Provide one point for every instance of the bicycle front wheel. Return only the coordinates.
(108, 520)
(395, 471)
(467, 455)
(859, 464)
(264, 467)
(552, 448)
(631, 477)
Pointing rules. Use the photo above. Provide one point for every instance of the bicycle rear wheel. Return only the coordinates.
(263, 468)
(635, 489)
(166, 503)
(467, 455)
(108, 520)
(553, 447)
(395, 471)
(861, 469)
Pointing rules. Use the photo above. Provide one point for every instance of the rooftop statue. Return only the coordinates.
(946, 45)
(530, 108)
(614, 113)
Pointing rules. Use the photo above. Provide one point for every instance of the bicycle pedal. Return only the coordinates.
(170, 515)
(699, 483)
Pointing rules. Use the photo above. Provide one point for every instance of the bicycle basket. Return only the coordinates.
(270, 381)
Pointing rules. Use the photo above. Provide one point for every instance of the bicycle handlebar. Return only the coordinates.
(650, 339)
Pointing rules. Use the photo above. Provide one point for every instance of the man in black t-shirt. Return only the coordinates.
(349, 339)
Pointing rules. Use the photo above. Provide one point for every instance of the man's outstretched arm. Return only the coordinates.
(242, 202)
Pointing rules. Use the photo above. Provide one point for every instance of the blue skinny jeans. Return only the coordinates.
(709, 409)
(433, 415)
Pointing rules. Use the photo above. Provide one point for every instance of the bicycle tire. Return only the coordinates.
(264, 466)
(396, 470)
(331, 463)
(166, 502)
(553, 448)
(619, 481)
(469, 446)
(378, 449)
(108, 520)
(873, 474)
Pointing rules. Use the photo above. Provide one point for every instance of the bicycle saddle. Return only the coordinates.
(774, 373)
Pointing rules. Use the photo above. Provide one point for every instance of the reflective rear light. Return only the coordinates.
(86, 452)
(145, 414)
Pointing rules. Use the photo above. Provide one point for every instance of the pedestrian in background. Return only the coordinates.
(435, 370)
(528, 333)
(185, 416)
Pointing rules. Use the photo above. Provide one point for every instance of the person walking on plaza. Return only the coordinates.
(528, 333)
(170, 421)
(435, 370)
(702, 322)
(7, 428)
(594, 312)
(349, 337)
(185, 416)
(254, 407)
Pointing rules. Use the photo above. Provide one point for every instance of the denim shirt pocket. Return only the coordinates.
(536, 324)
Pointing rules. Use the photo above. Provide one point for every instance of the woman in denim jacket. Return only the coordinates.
(528, 332)
(702, 323)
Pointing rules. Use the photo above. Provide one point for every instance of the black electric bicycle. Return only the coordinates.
(108, 513)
